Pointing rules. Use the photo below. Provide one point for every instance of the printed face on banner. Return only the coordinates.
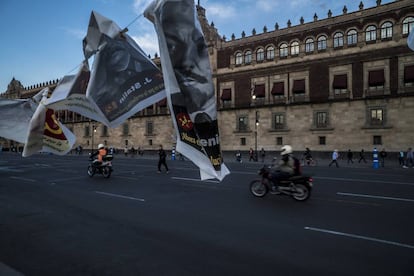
(122, 77)
(189, 56)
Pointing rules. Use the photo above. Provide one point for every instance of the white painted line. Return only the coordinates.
(23, 179)
(195, 179)
(120, 196)
(359, 237)
(378, 197)
(364, 180)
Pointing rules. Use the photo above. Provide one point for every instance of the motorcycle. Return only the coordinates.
(104, 168)
(299, 186)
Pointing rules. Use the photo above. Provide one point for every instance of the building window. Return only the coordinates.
(270, 52)
(299, 87)
(243, 123)
(259, 91)
(226, 95)
(242, 141)
(386, 30)
(340, 84)
(309, 45)
(370, 33)
(294, 48)
(260, 54)
(239, 59)
(338, 40)
(283, 50)
(376, 117)
(150, 142)
(409, 75)
(278, 121)
(321, 119)
(87, 131)
(105, 131)
(322, 43)
(248, 57)
(376, 79)
(125, 129)
(278, 89)
(322, 140)
(377, 140)
(279, 141)
(352, 37)
(149, 130)
(408, 25)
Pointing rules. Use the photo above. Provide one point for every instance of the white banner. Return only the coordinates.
(189, 86)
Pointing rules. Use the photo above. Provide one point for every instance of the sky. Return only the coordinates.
(42, 40)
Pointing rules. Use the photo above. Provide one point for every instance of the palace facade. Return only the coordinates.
(342, 82)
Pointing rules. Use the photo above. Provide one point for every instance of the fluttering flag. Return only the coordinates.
(188, 82)
(123, 80)
(45, 133)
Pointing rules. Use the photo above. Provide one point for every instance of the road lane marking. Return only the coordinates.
(359, 237)
(195, 179)
(23, 179)
(363, 180)
(377, 197)
(121, 196)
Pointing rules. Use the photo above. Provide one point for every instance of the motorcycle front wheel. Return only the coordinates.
(91, 170)
(106, 172)
(258, 188)
(301, 192)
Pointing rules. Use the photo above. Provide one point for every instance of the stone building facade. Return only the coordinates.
(343, 82)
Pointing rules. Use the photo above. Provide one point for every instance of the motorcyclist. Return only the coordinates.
(285, 168)
(100, 153)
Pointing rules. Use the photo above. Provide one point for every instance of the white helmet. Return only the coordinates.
(286, 150)
(101, 146)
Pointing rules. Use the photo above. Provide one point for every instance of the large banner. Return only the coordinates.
(189, 86)
(15, 118)
(123, 79)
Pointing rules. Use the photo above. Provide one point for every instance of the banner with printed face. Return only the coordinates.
(189, 86)
(123, 79)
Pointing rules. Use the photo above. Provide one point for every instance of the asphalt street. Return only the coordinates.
(55, 220)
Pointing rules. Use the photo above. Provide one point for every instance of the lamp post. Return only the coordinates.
(256, 124)
(93, 134)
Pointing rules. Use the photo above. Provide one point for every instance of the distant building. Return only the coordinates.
(345, 81)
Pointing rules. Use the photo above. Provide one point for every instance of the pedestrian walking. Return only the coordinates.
(239, 157)
(251, 154)
(335, 156)
(362, 156)
(263, 154)
(350, 155)
(162, 159)
(401, 158)
(383, 155)
(409, 158)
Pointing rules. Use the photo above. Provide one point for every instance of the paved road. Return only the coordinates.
(55, 220)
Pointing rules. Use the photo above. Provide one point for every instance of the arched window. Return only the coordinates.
(371, 33)
(270, 52)
(260, 54)
(239, 58)
(338, 40)
(386, 30)
(352, 37)
(283, 50)
(408, 25)
(322, 43)
(309, 45)
(294, 48)
(248, 57)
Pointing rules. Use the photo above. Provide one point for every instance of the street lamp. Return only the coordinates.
(93, 134)
(256, 124)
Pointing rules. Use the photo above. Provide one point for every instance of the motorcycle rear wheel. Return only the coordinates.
(106, 172)
(258, 188)
(301, 192)
(91, 170)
